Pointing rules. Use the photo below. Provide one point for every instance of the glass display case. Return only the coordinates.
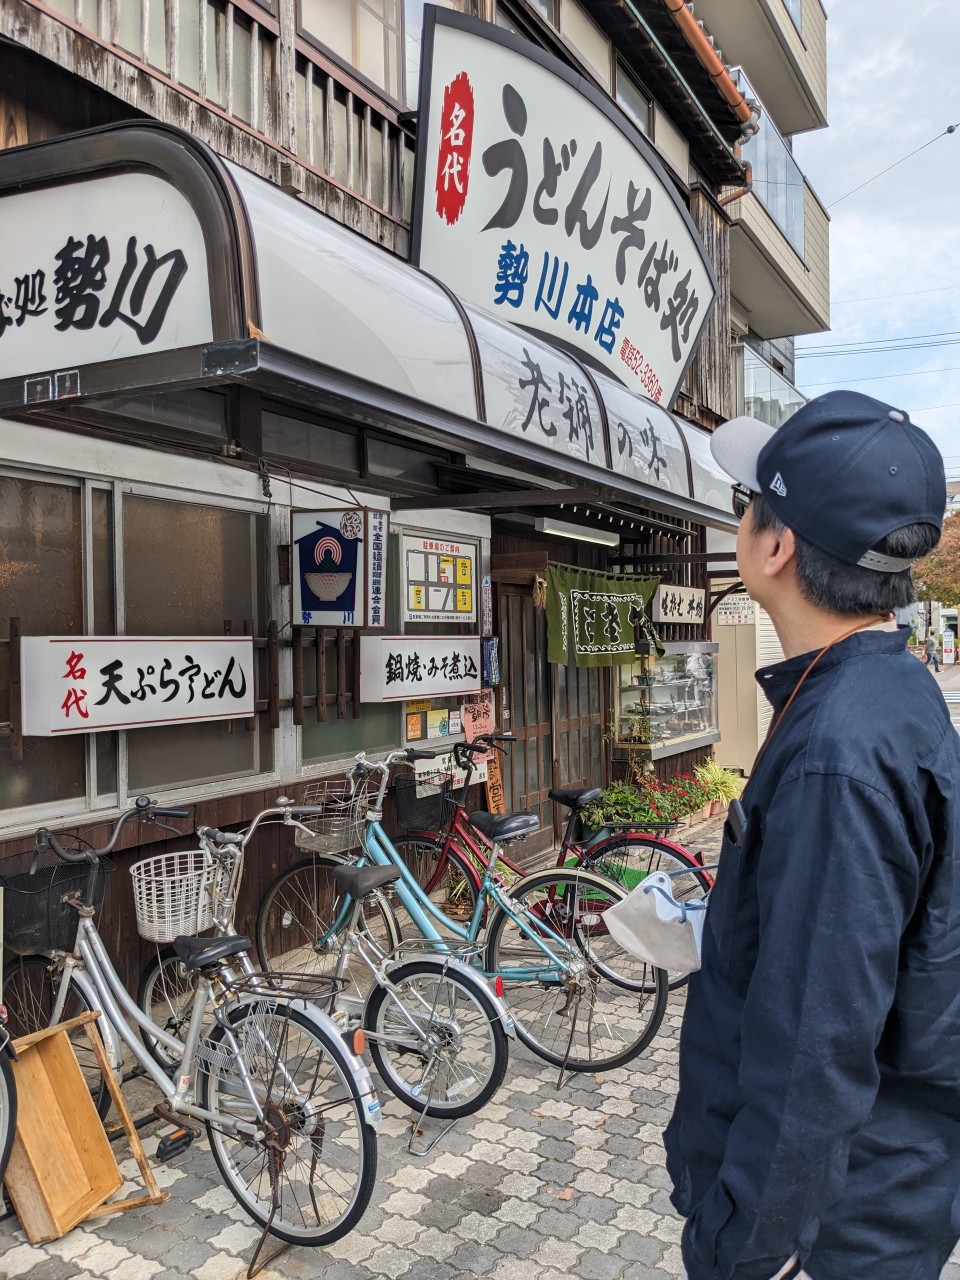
(668, 705)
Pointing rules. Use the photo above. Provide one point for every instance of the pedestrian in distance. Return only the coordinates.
(817, 1128)
(931, 651)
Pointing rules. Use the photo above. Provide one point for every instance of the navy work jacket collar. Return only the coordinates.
(779, 680)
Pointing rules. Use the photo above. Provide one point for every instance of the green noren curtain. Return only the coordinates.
(594, 617)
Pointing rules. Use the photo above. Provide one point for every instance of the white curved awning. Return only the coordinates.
(196, 272)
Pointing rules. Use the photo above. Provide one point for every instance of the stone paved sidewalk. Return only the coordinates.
(541, 1184)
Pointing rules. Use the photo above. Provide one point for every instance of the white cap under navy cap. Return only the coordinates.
(843, 472)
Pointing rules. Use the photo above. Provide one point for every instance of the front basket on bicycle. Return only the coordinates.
(424, 804)
(36, 916)
(339, 828)
(177, 894)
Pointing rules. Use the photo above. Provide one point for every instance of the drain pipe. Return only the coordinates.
(740, 191)
(634, 14)
(694, 35)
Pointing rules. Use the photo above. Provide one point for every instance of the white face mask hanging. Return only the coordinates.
(651, 924)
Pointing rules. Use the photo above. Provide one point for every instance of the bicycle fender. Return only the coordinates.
(470, 978)
(365, 1091)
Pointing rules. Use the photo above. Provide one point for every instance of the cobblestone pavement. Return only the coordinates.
(541, 1184)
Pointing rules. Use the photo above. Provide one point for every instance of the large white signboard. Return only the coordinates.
(539, 201)
(110, 267)
(393, 668)
(85, 684)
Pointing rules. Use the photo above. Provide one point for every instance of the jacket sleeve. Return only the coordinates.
(837, 882)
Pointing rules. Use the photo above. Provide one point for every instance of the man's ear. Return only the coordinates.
(781, 553)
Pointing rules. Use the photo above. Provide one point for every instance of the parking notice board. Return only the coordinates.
(440, 580)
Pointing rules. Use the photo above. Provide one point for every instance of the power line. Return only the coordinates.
(951, 128)
(906, 337)
(876, 350)
(883, 297)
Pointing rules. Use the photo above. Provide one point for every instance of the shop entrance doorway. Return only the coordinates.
(555, 712)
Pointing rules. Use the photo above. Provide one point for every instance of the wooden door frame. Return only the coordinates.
(543, 727)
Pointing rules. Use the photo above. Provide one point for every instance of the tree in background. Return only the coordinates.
(937, 576)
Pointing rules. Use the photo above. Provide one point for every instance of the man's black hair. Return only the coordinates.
(846, 589)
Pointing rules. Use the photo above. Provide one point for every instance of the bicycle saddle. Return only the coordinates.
(500, 827)
(197, 953)
(575, 799)
(359, 881)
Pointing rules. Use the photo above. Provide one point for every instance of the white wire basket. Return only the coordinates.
(340, 827)
(176, 894)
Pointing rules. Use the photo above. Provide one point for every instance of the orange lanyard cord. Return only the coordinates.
(775, 725)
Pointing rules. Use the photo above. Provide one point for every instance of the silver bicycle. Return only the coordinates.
(290, 1110)
(437, 1032)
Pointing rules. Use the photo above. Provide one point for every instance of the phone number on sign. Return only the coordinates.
(632, 357)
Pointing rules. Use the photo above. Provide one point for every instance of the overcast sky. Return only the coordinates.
(894, 85)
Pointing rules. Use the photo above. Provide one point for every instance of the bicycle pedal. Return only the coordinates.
(172, 1144)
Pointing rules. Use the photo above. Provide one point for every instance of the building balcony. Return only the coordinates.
(780, 263)
(779, 289)
(763, 392)
(783, 46)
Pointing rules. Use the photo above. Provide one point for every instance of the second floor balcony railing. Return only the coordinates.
(777, 180)
(767, 394)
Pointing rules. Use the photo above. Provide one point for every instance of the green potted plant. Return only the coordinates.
(721, 784)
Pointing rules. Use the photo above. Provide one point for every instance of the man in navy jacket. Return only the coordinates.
(817, 1128)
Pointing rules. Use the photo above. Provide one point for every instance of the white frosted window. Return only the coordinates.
(671, 143)
(587, 38)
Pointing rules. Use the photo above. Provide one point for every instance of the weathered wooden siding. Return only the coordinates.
(139, 90)
(712, 365)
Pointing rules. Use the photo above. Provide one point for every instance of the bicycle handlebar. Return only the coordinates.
(463, 752)
(144, 807)
(219, 837)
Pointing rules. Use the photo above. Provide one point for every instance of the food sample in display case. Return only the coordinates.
(668, 705)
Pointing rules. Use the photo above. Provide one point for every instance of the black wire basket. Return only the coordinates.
(35, 916)
(424, 805)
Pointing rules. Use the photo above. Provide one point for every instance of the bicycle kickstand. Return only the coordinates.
(416, 1131)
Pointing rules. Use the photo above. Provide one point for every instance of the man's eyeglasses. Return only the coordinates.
(742, 497)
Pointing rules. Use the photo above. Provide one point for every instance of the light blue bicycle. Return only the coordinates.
(578, 1000)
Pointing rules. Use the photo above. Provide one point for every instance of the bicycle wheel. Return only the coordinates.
(302, 920)
(165, 995)
(458, 1060)
(599, 1007)
(312, 1146)
(447, 878)
(8, 1110)
(30, 985)
(630, 857)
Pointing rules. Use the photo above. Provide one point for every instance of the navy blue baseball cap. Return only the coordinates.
(843, 473)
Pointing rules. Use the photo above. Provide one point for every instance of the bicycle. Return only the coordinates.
(448, 860)
(545, 939)
(289, 1108)
(437, 1034)
(8, 1093)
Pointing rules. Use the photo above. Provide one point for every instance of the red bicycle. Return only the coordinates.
(448, 854)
